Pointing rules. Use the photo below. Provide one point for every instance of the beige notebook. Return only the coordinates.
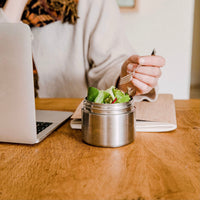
(158, 116)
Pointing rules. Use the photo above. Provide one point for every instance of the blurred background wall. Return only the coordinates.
(167, 25)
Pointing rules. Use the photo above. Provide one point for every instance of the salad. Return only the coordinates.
(110, 96)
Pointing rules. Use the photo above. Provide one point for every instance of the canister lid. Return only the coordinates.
(118, 108)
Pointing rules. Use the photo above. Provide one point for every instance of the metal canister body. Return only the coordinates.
(108, 125)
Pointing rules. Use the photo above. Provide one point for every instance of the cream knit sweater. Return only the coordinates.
(69, 58)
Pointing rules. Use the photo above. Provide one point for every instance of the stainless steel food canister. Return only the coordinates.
(108, 125)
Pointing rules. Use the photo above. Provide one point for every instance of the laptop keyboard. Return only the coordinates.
(42, 125)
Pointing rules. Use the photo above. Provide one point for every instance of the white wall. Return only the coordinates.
(166, 25)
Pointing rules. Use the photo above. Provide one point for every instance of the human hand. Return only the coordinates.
(146, 73)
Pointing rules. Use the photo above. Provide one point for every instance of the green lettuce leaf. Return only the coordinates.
(92, 93)
(101, 96)
(111, 95)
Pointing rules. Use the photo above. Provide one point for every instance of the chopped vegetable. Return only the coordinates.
(101, 96)
(111, 95)
(108, 100)
(92, 93)
(121, 97)
(114, 100)
(110, 91)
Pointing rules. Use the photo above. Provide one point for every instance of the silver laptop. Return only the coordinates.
(19, 122)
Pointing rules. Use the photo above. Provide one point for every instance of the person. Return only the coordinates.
(82, 43)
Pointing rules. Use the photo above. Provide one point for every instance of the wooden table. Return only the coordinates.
(155, 166)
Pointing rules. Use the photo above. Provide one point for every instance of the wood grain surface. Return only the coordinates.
(155, 166)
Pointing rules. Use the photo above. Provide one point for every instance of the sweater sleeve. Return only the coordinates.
(3, 17)
(109, 48)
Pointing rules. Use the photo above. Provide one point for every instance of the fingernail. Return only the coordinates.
(129, 67)
(141, 61)
(137, 68)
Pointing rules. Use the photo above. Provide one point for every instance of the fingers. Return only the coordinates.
(134, 59)
(152, 61)
(131, 67)
(147, 60)
(148, 80)
(146, 70)
(142, 88)
(150, 71)
(145, 77)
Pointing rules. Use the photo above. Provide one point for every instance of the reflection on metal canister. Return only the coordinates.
(108, 125)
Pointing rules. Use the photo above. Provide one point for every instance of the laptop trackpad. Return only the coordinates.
(52, 116)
